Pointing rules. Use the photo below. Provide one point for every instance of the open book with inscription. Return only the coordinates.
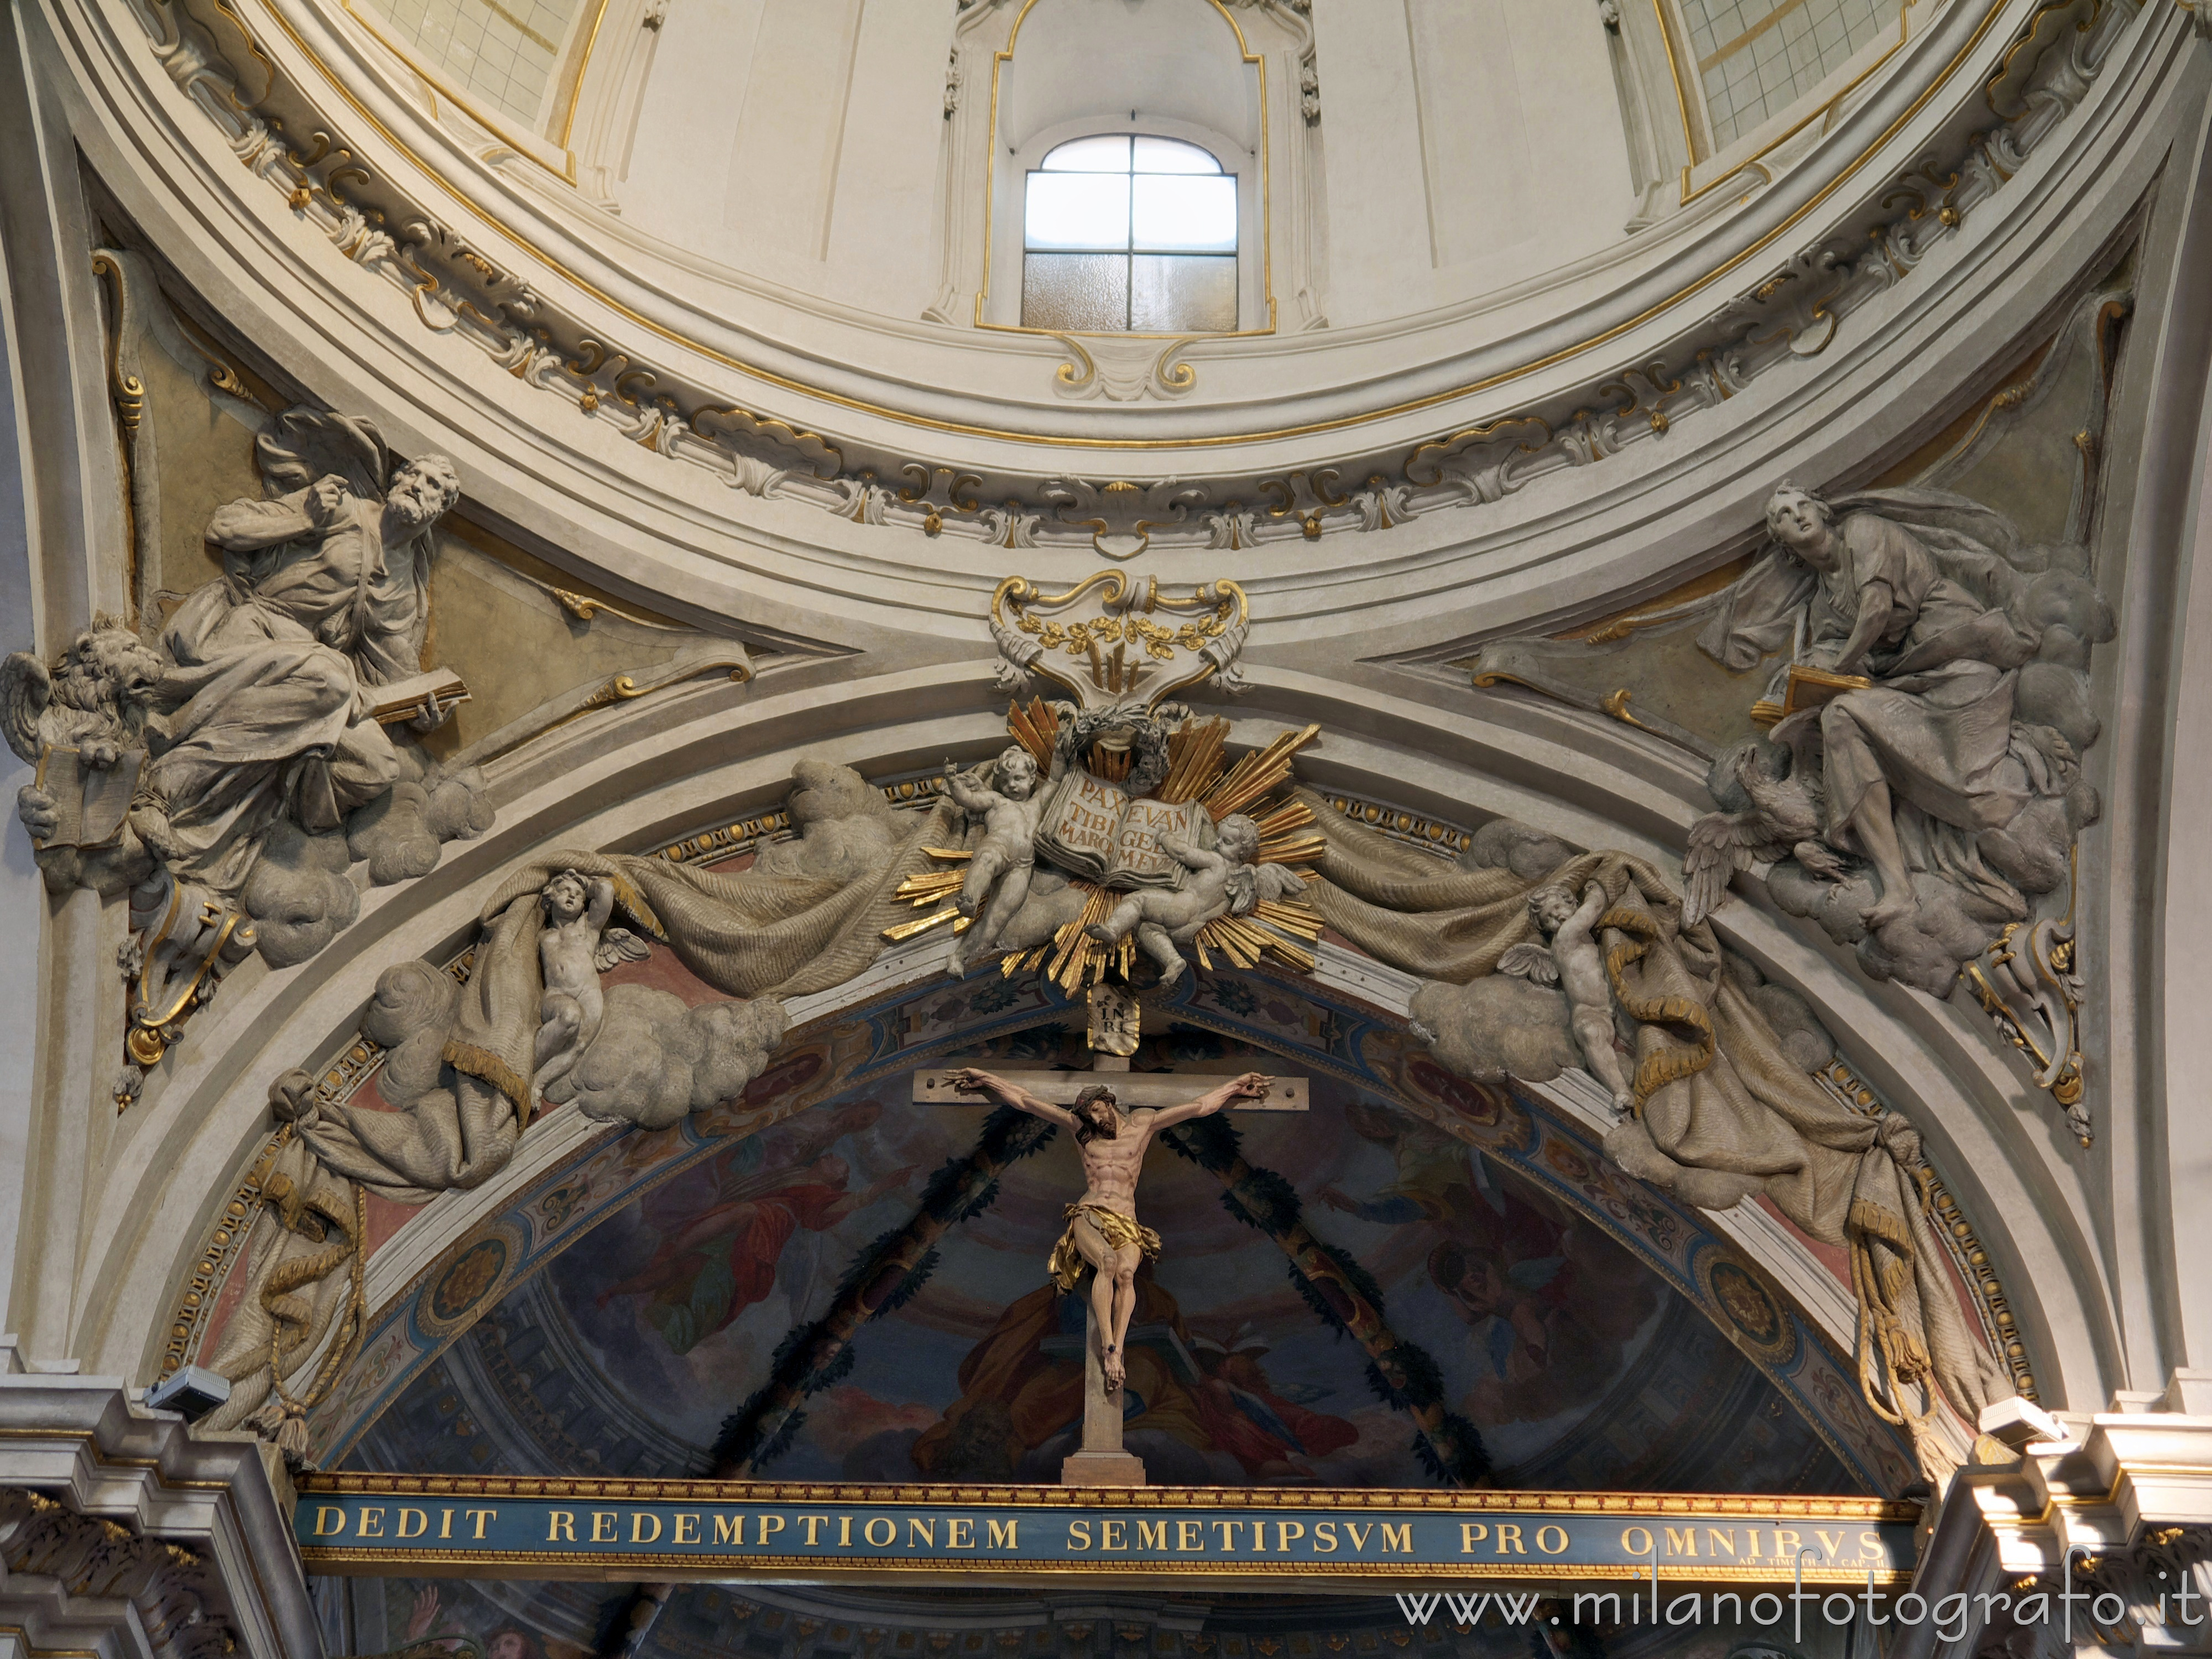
(1089, 826)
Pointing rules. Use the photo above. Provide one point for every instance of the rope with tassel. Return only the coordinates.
(283, 1419)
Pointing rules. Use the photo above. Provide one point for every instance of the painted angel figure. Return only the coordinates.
(576, 947)
(999, 870)
(1224, 880)
(1572, 962)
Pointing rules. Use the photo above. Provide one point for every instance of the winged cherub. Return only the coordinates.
(1001, 868)
(576, 947)
(1572, 962)
(1225, 880)
(1782, 819)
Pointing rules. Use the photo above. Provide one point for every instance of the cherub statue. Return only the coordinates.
(1572, 963)
(1001, 868)
(1225, 881)
(576, 947)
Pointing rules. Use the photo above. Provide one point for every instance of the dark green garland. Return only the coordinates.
(1343, 1295)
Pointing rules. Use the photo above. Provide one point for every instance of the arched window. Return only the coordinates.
(1126, 234)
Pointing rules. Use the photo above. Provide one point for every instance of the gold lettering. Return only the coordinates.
(1752, 1533)
(561, 1527)
(959, 1533)
(481, 1517)
(1831, 1541)
(1870, 1544)
(1228, 1531)
(1471, 1533)
(813, 1523)
(1324, 1538)
(925, 1530)
(421, 1523)
(1288, 1533)
(1004, 1535)
(322, 1514)
(844, 1532)
(371, 1524)
(771, 1525)
(445, 1523)
(1630, 1535)
(1682, 1542)
(1509, 1539)
(1110, 1535)
(1785, 1541)
(638, 1535)
(889, 1527)
(1151, 1534)
(1722, 1538)
(1359, 1534)
(1398, 1538)
(1190, 1535)
(727, 1531)
(1559, 1548)
(687, 1528)
(1079, 1534)
(603, 1527)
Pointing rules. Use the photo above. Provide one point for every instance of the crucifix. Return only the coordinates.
(1114, 1116)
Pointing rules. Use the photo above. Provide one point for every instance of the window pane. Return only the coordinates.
(1178, 212)
(1182, 293)
(1078, 210)
(1081, 292)
(1165, 156)
(1108, 154)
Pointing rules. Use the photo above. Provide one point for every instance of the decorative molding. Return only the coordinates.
(1796, 310)
(126, 1535)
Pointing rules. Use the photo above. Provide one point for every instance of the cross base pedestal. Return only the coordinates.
(1102, 1461)
(1102, 1468)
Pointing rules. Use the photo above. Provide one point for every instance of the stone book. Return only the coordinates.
(90, 802)
(1093, 829)
(401, 699)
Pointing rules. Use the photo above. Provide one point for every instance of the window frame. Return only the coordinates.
(1130, 251)
(1010, 221)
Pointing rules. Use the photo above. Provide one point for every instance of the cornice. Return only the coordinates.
(481, 261)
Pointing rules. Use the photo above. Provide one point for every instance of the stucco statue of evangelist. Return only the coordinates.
(325, 597)
(1931, 712)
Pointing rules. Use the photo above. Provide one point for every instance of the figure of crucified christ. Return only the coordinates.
(1102, 1230)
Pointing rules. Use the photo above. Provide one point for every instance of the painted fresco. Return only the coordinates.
(1581, 1366)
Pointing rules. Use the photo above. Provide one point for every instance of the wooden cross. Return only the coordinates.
(1102, 1461)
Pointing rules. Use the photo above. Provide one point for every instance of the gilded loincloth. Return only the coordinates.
(1120, 1232)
